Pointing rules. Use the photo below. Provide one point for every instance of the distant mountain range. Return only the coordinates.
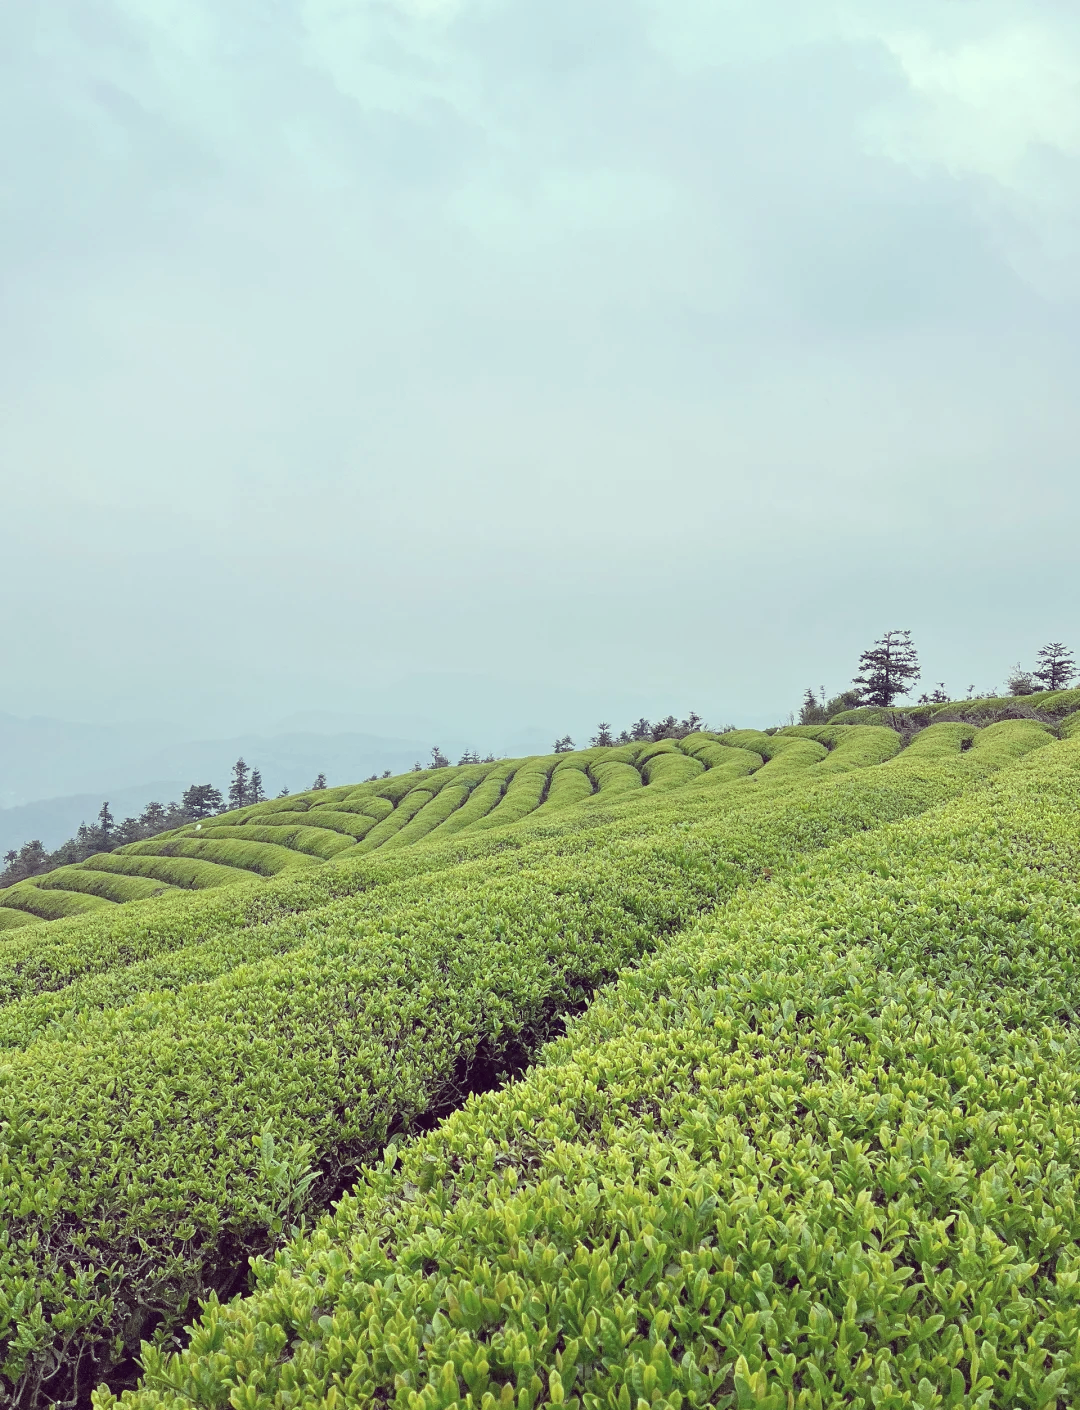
(56, 773)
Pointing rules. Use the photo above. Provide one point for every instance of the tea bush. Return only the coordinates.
(822, 1150)
(186, 1078)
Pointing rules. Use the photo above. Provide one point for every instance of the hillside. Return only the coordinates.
(814, 1141)
(304, 830)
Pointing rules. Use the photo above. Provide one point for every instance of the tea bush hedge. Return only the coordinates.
(823, 1150)
(342, 823)
(178, 1092)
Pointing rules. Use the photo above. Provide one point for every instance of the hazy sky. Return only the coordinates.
(653, 355)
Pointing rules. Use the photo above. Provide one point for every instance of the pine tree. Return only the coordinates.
(320, 781)
(564, 745)
(238, 785)
(666, 729)
(255, 791)
(1055, 667)
(438, 758)
(200, 800)
(812, 709)
(105, 825)
(888, 669)
(284, 792)
(603, 738)
(153, 818)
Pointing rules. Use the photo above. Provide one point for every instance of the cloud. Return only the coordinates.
(587, 339)
(998, 110)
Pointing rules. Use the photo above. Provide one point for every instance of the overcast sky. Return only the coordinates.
(639, 355)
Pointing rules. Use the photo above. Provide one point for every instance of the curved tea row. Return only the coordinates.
(305, 830)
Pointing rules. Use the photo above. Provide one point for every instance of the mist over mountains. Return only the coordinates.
(55, 773)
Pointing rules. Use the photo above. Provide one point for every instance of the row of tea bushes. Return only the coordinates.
(160, 1121)
(297, 833)
(823, 1150)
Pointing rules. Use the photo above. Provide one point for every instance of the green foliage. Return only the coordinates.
(201, 800)
(613, 776)
(570, 783)
(49, 904)
(481, 801)
(15, 919)
(671, 769)
(1052, 703)
(432, 805)
(105, 884)
(394, 821)
(434, 812)
(525, 791)
(890, 719)
(189, 872)
(323, 842)
(146, 1055)
(822, 1149)
(262, 858)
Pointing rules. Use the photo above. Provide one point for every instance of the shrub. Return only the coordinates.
(167, 1127)
(822, 1150)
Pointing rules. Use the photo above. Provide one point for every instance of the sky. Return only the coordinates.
(461, 359)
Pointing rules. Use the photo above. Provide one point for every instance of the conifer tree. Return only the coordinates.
(255, 791)
(564, 745)
(238, 785)
(812, 709)
(105, 824)
(887, 669)
(603, 738)
(1055, 667)
(438, 758)
(200, 800)
(320, 781)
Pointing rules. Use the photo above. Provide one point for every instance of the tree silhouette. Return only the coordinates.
(1055, 667)
(201, 800)
(238, 784)
(887, 669)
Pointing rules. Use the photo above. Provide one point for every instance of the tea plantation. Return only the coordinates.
(736, 1070)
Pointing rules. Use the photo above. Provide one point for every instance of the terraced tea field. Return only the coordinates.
(301, 831)
(737, 1070)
